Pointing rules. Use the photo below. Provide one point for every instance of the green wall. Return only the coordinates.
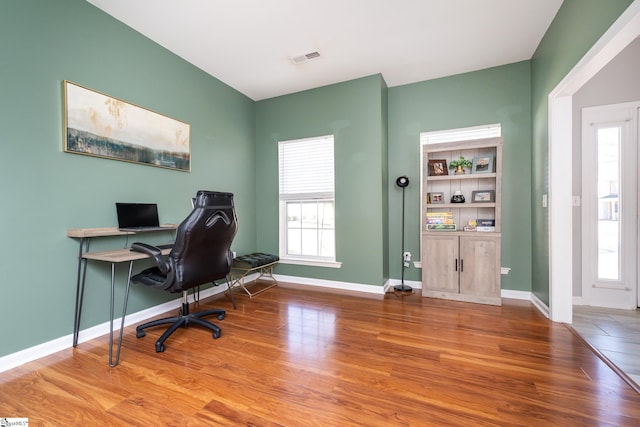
(46, 191)
(234, 148)
(495, 95)
(354, 113)
(575, 29)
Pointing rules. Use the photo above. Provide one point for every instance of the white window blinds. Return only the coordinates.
(306, 168)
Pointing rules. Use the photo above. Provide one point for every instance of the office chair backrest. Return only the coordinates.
(201, 252)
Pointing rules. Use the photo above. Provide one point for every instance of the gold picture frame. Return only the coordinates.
(99, 125)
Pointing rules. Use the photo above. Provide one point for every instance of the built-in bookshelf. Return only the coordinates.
(461, 240)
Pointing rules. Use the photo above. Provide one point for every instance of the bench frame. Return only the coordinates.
(238, 277)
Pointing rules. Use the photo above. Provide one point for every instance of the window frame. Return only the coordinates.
(284, 199)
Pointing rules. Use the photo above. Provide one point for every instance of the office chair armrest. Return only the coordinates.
(153, 252)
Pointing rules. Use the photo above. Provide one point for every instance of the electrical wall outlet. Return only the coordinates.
(406, 256)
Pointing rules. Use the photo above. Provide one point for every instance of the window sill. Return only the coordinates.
(310, 263)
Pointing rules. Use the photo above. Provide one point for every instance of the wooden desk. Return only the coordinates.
(114, 257)
(119, 255)
(112, 231)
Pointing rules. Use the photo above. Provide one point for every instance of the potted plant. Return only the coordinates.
(460, 164)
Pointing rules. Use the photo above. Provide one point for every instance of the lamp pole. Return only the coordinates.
(402, 182)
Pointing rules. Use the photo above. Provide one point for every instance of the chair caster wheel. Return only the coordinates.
(159, 348)
(221, 316)
(216, 335)
(140, 334)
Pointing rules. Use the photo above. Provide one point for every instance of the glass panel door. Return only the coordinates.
(609, 221)
(610, 206)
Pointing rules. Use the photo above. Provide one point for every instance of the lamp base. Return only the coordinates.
(403, 288)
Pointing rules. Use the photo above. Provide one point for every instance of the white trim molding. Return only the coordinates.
(541, 306)
(513, 294)
(623, 31)
(331, 284)
(392, 283)
(310, 262)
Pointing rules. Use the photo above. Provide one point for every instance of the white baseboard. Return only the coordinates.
(45, 349)
(391, 283)
(541, 306)
(510, 293)
(331, 284)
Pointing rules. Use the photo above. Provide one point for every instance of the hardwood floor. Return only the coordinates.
(292, 357)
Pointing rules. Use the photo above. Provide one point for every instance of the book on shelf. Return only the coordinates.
(439, 214)
(441, 227)
(485, 228)
(440, 218)
(440, 221)
(486, 222)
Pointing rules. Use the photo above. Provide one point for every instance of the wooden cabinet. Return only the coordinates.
(458, 264)
(441, 275)
(461, 267)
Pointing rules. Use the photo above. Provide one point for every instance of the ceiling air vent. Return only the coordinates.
(300, 59)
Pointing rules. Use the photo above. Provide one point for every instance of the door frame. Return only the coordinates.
(603, 293)
(560, 141)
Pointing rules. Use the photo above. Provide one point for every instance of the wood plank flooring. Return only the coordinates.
(293, 357)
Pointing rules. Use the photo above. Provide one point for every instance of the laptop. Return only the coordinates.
(138, 217)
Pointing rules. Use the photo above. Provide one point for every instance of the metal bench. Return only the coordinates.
(257, 262)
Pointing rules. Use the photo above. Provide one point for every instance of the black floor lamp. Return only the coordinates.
(402, 182)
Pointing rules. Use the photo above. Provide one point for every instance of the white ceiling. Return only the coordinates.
(247, 43)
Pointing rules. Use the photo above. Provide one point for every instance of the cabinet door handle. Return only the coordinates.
(461, 265)
(456, 264)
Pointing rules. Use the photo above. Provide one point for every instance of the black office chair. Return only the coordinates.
(200, 255)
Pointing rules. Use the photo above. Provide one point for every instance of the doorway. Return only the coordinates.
(610, 206)
(616, 39)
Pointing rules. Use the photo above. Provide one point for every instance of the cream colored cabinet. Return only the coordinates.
(480, 268)
(461, 264)
(440, 274)
(461, 267)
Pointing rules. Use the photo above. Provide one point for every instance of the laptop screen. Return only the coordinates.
(135, 215)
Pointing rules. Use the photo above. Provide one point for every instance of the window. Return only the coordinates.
(307, 202)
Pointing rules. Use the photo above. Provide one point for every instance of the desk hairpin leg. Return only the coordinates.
(124, 312)
(82, 274)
